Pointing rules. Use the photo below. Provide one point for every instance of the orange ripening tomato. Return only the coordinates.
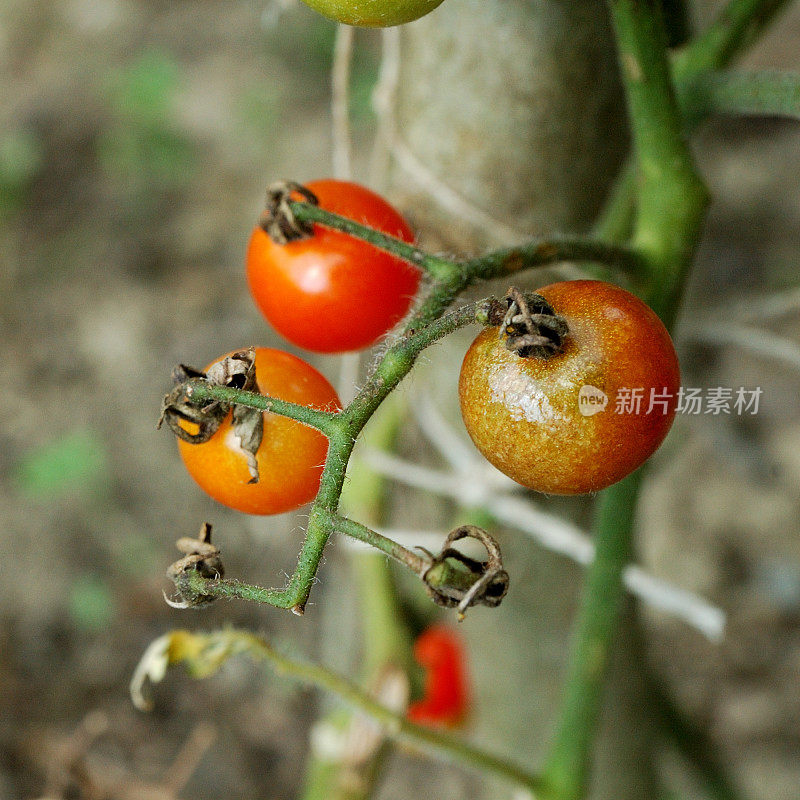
(331, 292)
(583, 418)
(291, 455)
(446, 699)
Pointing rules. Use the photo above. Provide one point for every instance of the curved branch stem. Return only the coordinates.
(736, 27)
(767, 94)
(205, 653)
(416, 562)
(543, 252)
(497, 264)
(437, 267)
(200, 390)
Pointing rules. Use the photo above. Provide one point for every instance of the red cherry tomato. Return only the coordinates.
(446, 699)
(291, 454)
(572, 423)
(331, 292)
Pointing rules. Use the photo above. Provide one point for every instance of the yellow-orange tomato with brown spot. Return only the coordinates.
(589, 415)
(291, 455)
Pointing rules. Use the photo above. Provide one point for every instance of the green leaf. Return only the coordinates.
(76, 460)
(91, 603)
(21, 158)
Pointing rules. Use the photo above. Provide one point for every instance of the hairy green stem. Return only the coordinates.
(767, 94)
(671, 206)
(737, 26)
(440, 268)
(355, 530)
(342, 430)
(205, 653)
(509, 261)
(385, 638)
(455, 275)
(200, 390)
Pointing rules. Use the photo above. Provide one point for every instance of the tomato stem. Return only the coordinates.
(438, 267)
(199, 390)
(204, 653)
(497, 264)
(671, 204)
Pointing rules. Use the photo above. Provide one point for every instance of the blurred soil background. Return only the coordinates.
(136, 139)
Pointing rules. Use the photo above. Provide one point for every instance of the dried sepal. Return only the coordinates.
(531, 327)
(278, 220)
(181, 412)
(202, 557)
(489, 580)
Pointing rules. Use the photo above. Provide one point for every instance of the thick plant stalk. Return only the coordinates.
(514, 106)
(671, 207)
(534, 138)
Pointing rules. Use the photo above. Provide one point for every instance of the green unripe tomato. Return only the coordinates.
(373, 13)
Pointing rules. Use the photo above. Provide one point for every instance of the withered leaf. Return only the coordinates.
(238, 370)
(248, 424)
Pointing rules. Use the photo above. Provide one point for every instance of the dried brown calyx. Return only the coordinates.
(480, 582)
(278, 220)
(197, 421)
(201, 557)
(530, 327)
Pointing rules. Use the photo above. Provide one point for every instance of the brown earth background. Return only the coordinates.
(136, 138)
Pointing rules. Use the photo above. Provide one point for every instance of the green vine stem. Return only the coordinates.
(200, 391)
(767, 94)
(671, 203)
(433, 265)
(204, 654)
(385, 637)
(426, 326)
(738, 25)
(671, 197)
(455, 275)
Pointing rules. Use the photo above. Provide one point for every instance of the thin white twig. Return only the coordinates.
(447, 442)
(562, 537)
(549, 530)
(764, 343)
(384, 97)
(671, 599)
(349, 367)
(340, 102)
(452, 201)
(553, 533)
